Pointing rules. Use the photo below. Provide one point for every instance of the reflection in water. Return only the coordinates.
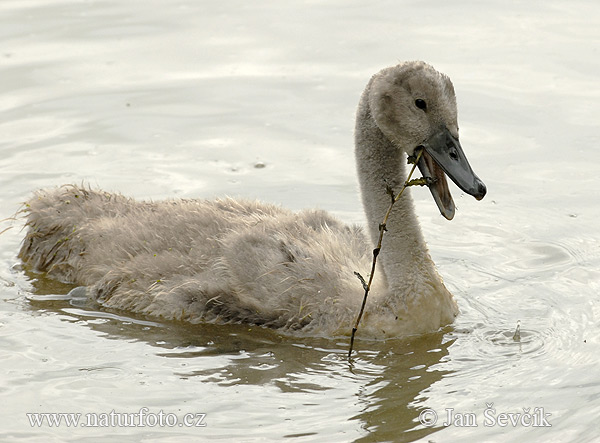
(391, 398)
(388, 378)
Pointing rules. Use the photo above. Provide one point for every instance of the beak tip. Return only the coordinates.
(481, 190)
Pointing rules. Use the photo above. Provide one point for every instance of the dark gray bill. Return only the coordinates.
(443, 155)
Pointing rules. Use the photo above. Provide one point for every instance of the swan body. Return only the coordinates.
(244, 261)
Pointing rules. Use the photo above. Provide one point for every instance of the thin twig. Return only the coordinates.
(382, 228)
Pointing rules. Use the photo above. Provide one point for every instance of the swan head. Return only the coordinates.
(415, 107)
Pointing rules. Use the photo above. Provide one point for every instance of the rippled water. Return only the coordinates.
(194, 99)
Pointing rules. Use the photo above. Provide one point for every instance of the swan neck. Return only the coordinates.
(382, 164)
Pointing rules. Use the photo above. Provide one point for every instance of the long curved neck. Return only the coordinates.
(405, 261)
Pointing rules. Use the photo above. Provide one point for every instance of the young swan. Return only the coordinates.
(244, 261)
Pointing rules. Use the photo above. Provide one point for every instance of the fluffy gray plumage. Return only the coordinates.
(244, 261)
(224, 260)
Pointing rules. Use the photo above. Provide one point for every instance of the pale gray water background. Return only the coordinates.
(160, 99)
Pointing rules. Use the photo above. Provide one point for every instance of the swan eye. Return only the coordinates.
(420, 103)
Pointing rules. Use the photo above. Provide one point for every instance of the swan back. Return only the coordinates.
(224, 260)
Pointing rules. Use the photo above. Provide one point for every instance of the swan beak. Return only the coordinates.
(443, 155)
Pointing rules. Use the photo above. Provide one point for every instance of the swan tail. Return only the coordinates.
(52, 243)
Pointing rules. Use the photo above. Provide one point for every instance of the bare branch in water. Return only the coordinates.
(414, 159)
(362, 280)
